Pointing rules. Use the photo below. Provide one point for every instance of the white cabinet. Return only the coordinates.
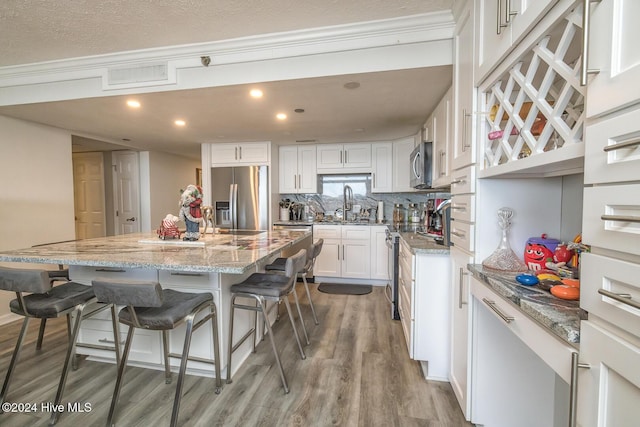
(613, 51)
(501, 25)
(610, 387)
(462, 142)
(344, 158)
(424, 295)
(382, 167)
(347, 254)
(248, 153)
(379, 253)
(297, 171)
(460, 329)
(402, 149)
(442, 134)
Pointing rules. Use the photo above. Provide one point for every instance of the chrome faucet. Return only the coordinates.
(347, 201)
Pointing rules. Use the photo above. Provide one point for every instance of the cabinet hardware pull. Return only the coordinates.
(573, 387)
(621, 145)
(340, 156)
(295, 181)
(623, 298)
(240, 151)
(110, 270)
(459, 208)
(622, 218)
(236, 153)
(346, 157)
(492, 306)
(443, 163)
(458, 181)
(178, 273)
(465, 116)
(108, 341)
(299, 181)
(586, 29)
(509, 13)
(461, 284)
(455, 233)
(499, 25)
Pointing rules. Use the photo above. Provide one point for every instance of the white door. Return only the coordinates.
(613, 50)
(126, 178)
(88, 192)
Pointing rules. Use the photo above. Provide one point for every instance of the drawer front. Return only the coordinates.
(613, 151)
(463, 180)
(355, 232)
(326, 232)
(550, 349)
(611, 217)
(463, 235)
(613, 277)
(405, 319)
(84, 274)
(463, 207)
(178, 279)
(146, 345)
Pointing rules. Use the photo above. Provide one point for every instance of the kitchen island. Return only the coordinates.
(211, 264)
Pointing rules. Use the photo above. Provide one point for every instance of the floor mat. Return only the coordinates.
(339, 288)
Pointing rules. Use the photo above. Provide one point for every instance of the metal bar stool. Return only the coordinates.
(265, 287)
(59, 275)
(148, 306)
(312, 253)
(46, 302)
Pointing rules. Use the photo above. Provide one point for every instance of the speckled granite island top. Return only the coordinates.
(560, 317)
(221, 253)
(423, 244)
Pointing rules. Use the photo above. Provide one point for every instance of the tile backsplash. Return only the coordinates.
(330, 197)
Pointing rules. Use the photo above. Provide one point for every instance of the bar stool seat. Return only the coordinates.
(44, 302)
(148, 306)
(264, 287)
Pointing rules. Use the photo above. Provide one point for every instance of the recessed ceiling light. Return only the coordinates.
(133, 103)
(352, 85)
(256, 93)
(281, 116)
(180, 122)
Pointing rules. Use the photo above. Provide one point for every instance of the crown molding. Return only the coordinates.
(316, 41)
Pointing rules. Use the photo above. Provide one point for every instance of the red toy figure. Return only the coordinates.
(536, 256)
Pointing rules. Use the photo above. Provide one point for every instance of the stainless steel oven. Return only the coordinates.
(392, 240)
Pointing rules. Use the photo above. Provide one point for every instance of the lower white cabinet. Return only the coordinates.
(424, 309)
(379, 253)
(460, 328)
(345, 252)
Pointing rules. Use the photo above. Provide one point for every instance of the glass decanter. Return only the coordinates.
(503, 258)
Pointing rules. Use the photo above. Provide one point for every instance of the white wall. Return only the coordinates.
(167, 175)
(36, 188)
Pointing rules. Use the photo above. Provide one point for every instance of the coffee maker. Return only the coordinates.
(442, 222)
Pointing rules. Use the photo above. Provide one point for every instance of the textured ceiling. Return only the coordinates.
(44, 30)
(387, 105)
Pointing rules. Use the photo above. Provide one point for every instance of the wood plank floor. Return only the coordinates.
(357, 373)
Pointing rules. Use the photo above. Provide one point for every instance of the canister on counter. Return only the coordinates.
(538, 251)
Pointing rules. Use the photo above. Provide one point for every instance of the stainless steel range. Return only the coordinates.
(392, 240)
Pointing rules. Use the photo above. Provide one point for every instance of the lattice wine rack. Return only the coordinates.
(538, 104)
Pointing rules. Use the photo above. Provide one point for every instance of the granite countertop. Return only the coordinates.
(560, 317)
(337, 222)
(222, 253)
(423, 244)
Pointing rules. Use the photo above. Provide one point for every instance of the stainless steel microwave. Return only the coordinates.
(420, 163)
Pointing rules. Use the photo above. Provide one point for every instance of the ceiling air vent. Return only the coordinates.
(140, 75)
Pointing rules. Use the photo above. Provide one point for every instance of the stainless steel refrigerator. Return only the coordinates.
(240, 196)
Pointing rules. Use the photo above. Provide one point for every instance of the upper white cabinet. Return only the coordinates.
(402, 149)
(248, 153)
(463, 151)
(613, 52)
(297, 172)
(532, 107)
(442, 135)
(501, 25)
(382, 167)
(335, 158)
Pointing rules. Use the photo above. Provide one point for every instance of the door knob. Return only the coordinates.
(132, 219)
